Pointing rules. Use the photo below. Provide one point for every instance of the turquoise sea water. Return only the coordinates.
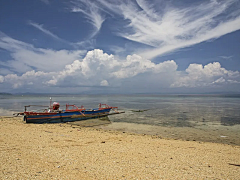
(190, 113)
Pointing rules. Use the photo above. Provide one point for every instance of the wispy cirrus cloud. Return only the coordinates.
(165, 27)
(45, 1)
(26, 57)
(226, 57)
(92, 12)
(173, 28)
(49, 33)
(164, 30)
(86, 43)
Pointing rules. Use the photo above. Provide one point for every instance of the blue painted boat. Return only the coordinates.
(72, 113)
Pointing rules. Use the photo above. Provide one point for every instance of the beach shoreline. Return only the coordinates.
(207, 133)
(68, 151)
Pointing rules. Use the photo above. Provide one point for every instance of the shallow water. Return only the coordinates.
(199, 117)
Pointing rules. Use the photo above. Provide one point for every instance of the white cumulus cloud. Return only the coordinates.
(36, 68)
(1, 79)
(104, 83)
(198, 75)
(99, 66)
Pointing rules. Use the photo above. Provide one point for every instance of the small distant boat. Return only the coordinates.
(53, 114)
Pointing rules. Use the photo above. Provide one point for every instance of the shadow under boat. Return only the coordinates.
(92, 122)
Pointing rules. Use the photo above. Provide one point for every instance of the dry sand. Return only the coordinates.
(64, 151)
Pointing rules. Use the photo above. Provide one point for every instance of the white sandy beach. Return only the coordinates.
(64, 151)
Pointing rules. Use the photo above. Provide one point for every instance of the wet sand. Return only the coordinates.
(67, 151)
(206, 133)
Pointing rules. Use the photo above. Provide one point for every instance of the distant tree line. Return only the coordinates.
(4, 93)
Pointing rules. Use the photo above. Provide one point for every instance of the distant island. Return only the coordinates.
(4, 93)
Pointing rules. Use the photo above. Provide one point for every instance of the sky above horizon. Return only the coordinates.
(120, 46)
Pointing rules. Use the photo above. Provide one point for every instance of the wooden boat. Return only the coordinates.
(53, 114)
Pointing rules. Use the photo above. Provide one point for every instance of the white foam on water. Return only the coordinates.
(5, 112)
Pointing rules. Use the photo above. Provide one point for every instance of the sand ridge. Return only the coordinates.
(64, 151)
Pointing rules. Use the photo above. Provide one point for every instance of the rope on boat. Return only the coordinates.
(114, 109)
(82, 113)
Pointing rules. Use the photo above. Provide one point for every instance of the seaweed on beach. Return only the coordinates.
(140, 110)
(234, 164)
(230, 121)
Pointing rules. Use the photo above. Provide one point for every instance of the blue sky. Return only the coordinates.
(120, 46)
